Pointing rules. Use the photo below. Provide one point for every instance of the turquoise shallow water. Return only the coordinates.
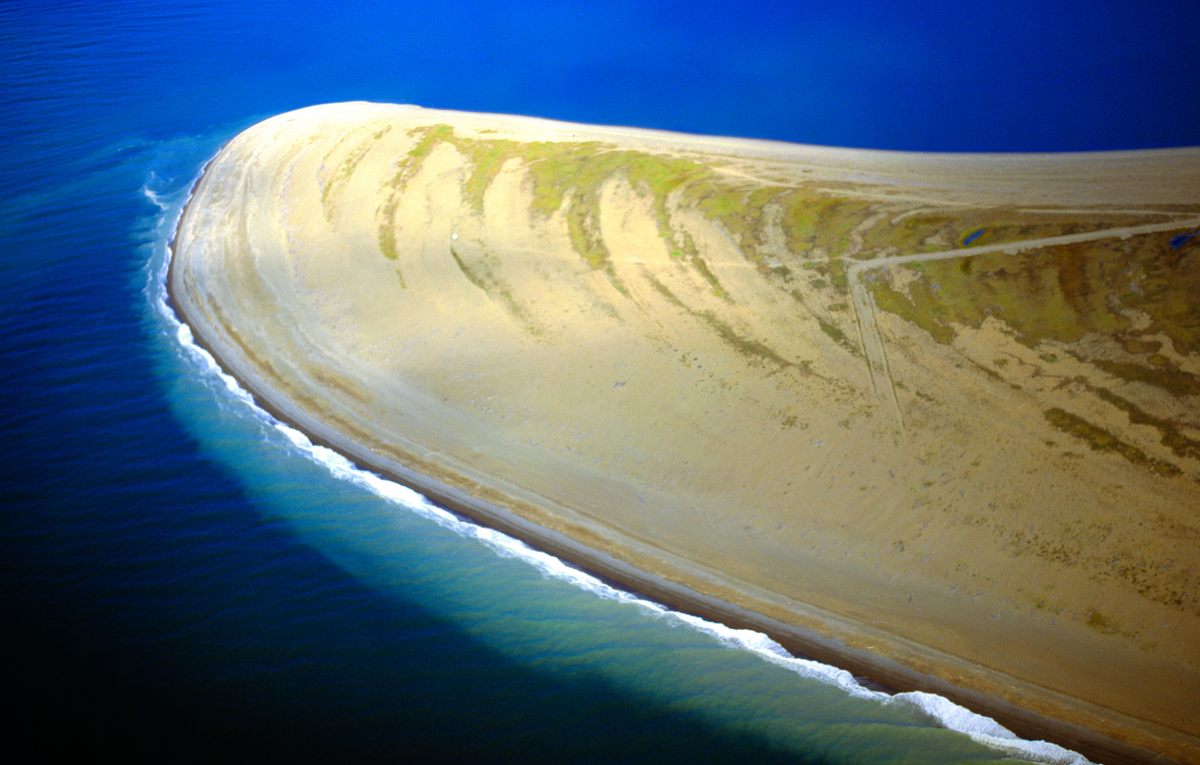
(181, 577)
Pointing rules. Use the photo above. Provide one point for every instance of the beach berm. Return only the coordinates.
(931, 417)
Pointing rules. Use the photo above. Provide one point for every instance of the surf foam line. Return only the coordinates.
(979, 728)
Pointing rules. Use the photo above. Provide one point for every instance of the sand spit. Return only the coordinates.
(933, 417)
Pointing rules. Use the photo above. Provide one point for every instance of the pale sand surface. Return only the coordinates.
(983, 469)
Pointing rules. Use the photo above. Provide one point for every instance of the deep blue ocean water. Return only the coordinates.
(181, 579)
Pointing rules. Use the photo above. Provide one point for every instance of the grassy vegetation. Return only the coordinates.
(950, 228)
(702, 268)
(387, 234)
(830, 274)
(568, 176)
(1102, 440)
(1058, 295)
(347, 168)
(1159, 372)
(1101, 623)
(428, 138)
(753, 350)
(481, 275)
(1172, 437)
(1066, 294)
(486, 159)
(738, 208)
(814, 219)
(1129, 290)
(1063, 294)
(934, 320)
(834, 333)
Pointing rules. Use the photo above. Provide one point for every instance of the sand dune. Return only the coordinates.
(943, 409)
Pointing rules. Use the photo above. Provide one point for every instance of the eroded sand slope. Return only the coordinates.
(742, 365)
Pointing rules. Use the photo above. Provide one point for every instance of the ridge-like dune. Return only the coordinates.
(944, 409)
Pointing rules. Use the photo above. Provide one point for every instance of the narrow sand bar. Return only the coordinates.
(932, 418)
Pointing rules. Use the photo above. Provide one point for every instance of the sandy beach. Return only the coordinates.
(931, 418)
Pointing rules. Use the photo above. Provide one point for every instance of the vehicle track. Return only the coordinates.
(865, 310)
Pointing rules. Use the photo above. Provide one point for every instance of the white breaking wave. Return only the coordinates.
(946, 713)
(160, 200)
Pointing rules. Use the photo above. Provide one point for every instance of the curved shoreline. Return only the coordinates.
(881, 672)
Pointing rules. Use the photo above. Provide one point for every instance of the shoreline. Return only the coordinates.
(874, 671)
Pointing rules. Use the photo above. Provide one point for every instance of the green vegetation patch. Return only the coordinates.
(814, 219)
(739, 208)
(1172, 437)
(956, 228)
(831, 273)
(570, 175)
(486, 159)
(1102, 440)
(1167, 376)
(706, 273)
(427, 139)
(835, 333)
(1061, 294)
(753, 350)
(387, 234)
(347, 168)
(482, 277)
(749, 348)
(1101, 623)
